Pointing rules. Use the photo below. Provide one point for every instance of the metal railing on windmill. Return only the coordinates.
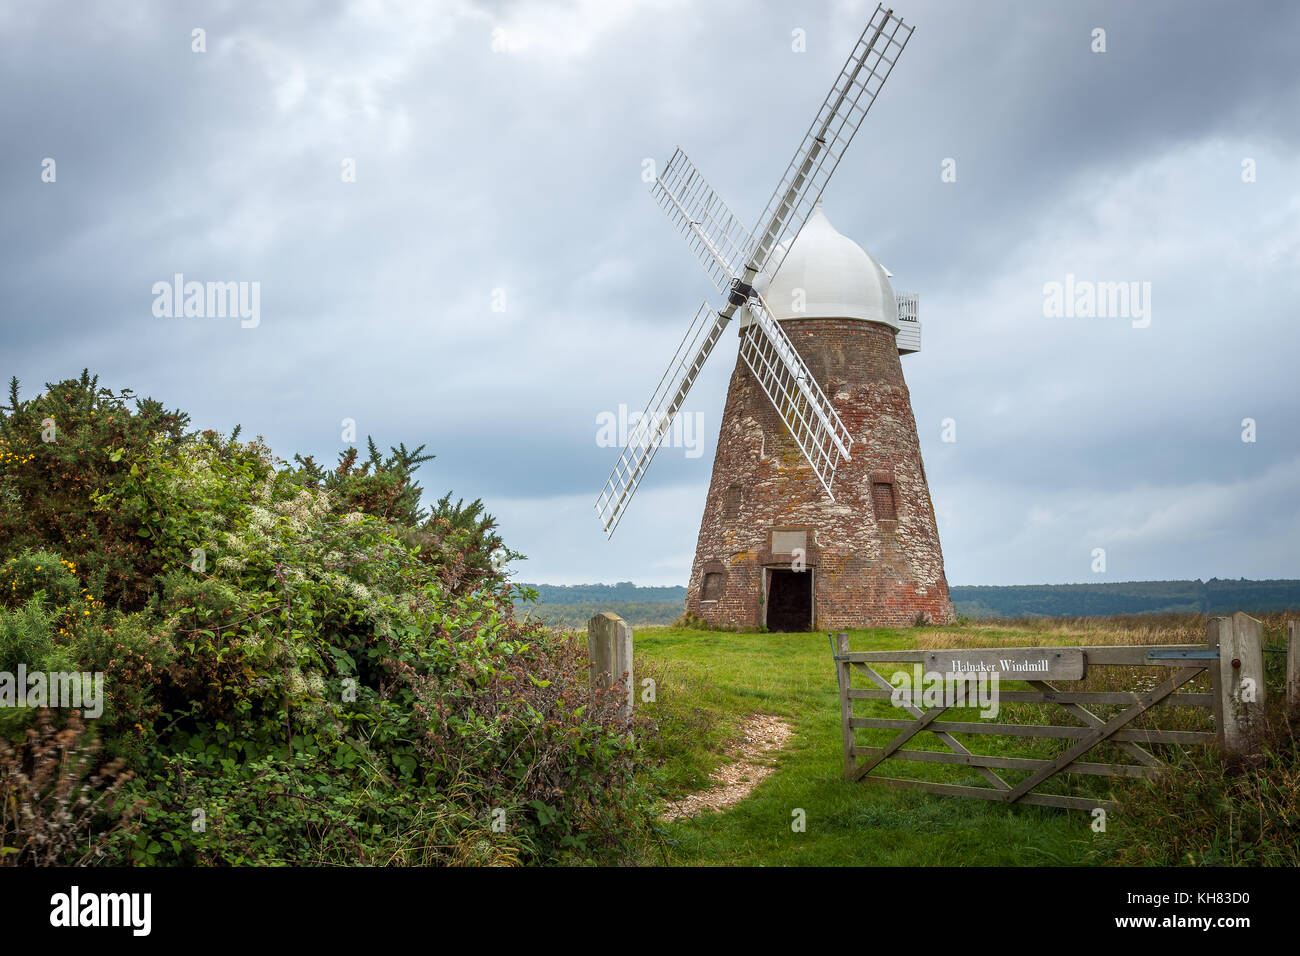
(736, 260)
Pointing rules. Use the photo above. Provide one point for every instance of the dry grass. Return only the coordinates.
(51, 795)
(1091, 631)
(1134, 629)
(1122, 629)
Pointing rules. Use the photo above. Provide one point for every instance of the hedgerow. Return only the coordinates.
(301, 665)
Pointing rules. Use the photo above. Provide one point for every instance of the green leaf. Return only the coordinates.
(544, 813)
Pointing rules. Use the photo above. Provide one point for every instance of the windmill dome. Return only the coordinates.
(838, 277)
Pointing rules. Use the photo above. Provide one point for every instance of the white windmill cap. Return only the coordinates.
(838, 279)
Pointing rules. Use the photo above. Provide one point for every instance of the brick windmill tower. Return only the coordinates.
(774, 549)
(786, 543)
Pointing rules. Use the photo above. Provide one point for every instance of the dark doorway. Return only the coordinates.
(789, 601)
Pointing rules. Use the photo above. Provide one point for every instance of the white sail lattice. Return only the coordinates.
(733, 258)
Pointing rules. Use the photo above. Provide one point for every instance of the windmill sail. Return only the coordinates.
(798, 399)
(714, 234)
(832, 130)
(664, 404)
(734, 258)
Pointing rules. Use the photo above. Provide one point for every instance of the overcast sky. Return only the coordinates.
(498, 151)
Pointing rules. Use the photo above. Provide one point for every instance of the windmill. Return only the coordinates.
(735, 258)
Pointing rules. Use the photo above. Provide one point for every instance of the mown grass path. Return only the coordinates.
(706, 683)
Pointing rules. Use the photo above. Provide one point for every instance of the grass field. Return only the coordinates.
(707, 683)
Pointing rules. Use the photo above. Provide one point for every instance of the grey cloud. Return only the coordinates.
(481, 170)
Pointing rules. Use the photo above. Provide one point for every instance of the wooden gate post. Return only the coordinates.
(844, 673)
(1239, 683)
(1293, 667)
(609, 647)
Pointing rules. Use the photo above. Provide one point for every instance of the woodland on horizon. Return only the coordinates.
(571, 605)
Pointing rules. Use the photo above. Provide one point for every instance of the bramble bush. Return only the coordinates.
(301, 665)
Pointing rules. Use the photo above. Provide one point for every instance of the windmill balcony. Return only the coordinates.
(909, 331)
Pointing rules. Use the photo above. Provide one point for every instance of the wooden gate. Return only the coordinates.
(1235, 700)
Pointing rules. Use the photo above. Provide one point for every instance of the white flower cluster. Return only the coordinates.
(305, 507)
(311, 684)
(228, 562)
(265, 491)
(261, 519)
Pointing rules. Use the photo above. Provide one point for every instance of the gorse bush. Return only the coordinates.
(46, 487)
(28, 574)
(301, 665)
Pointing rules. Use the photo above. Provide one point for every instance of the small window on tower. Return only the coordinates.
(731, 503)
(711, 590)
(882, 498)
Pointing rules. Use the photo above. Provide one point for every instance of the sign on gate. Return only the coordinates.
(1011, 663)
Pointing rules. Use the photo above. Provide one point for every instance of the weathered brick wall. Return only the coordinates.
(866, 571)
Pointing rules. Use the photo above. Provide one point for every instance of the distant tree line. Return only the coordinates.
(1216, 596)
(622, 591)
(571, 605)
(636, 613)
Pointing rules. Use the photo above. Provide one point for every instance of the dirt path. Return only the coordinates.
(762, 734)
